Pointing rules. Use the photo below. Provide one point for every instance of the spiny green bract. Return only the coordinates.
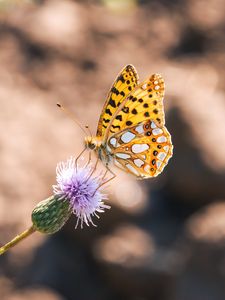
(50, 215)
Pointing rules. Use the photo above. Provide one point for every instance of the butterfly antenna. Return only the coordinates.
(89, 130)
(68, 113)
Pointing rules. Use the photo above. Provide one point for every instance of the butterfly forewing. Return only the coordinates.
(126, 81)
(143, 103)
(143, 149)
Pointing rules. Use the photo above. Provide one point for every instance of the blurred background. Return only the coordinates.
(164, 238)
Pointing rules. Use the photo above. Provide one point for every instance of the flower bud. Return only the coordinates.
(50, 215)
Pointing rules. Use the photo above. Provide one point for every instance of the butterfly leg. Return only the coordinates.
(93, 170)
(89, 159)
(105, 174)
(113, 175)
(108, 180)
(76, 161)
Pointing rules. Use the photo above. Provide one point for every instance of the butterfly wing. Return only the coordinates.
(143, 103)
(142, 150)
(126, 81)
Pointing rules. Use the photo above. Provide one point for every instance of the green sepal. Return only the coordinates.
(50, 215)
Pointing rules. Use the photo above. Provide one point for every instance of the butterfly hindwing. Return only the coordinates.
(143, 103)
(126, 81)
(142, 150)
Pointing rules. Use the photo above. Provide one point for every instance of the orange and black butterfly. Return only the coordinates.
(131, 131)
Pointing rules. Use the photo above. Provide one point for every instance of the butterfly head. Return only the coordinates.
(91, 142)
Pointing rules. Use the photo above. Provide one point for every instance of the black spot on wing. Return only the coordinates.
(115, 91)
(121, 78)
(119, 117)
(108, 111)
(128, 123)
(112, 103)
(116, 126)
(125, 110)
(106, 120)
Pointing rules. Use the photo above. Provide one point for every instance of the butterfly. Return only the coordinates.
(131, 131)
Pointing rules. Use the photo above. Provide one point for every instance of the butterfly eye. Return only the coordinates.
(91, 146)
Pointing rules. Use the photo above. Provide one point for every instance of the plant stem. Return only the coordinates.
(17, 239)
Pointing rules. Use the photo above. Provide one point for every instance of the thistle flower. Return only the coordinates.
(81, 189)
(77, 191)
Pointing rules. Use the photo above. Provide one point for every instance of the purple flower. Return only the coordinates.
(83, 190)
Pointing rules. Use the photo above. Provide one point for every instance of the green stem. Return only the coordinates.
(17, 239)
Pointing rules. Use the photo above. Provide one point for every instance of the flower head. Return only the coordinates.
(83, 190)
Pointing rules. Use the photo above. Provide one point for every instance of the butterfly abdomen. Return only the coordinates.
(105, 154)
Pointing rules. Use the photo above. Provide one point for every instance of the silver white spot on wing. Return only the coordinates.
(138, 148)
(144, 86)
(138, 162)
(157, 131)
(161, 155)
(161, 139)
(158, 164)
(140, 129)
(147, 168)
(166, 148)
(132, 169)
(112, 141)
(153, 125)
(123, 155)
(127, 137)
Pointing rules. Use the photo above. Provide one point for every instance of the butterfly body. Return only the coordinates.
(96, 144)
(131, 131)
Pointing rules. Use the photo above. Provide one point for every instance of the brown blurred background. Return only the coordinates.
(164, 238)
